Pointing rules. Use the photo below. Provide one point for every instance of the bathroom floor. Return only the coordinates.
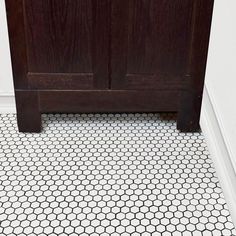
(106, 174)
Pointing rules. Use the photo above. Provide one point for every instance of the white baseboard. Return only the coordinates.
(7, 103)
(219, 152)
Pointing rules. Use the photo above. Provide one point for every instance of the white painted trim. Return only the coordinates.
(7, 103)
(6, 78)
(219, 152)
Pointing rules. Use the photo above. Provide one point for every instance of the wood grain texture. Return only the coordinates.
(60, 81)
(59, 35)
(28, 113)
(108, 101)
(63, 36)
(154, 82)
(149, 37)
(191, 98)
(16, 29)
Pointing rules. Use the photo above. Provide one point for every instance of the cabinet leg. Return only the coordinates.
(28, 113)
(189, 112)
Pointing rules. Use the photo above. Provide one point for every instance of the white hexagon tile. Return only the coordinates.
(108, 174)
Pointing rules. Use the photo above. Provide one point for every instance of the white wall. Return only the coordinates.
(6, 84)
(219, 105)
(221, 71)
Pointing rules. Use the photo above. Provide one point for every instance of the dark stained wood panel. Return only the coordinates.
(60, 80)
(151, 38)
(191, 97)
(15, 17)
(59, 35)
(67, 37)
(28, 116)
(154, 82)
(108, 101)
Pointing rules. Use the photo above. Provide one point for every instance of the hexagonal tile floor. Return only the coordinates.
(123, 174)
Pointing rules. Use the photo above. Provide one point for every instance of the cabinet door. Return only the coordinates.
(59, 44)
(150, 45)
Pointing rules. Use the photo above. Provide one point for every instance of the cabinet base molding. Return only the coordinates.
(91, 101)
(31, 103)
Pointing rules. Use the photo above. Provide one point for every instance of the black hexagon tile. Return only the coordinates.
(108, 174)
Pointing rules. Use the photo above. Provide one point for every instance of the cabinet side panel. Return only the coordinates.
(191, 97)
(15, 18)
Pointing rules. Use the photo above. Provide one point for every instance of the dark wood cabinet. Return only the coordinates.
(108, 56)
(66, 42)
(150, 42)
